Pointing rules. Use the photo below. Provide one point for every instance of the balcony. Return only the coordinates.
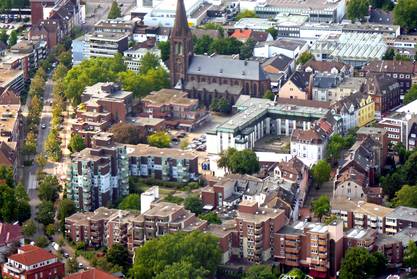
(322, 249)
(291, 243)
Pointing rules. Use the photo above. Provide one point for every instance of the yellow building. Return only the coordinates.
(366, 113)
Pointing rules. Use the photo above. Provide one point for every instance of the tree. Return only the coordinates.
(125, 133)
(3, 36)
(358, 263)
(321, 172)
(336, 144)
(115, 11)
(159, 139)
(259, 271)
(131, 201)
(194, 204)
(410, 254)
(402, 57)
(202, 45)
(225, 46)
(49, 188)
(50, 230)
(8, 204)
(273, 31)
(296, 273)
(184, 143)
(118, 255)
(411, 94)
(196, 248)
(41, 160)
(405, 14)
(182, 269)
(53, 146)
(406, 196)
(304, 58)
(71, 265)
(6, 176)
(76, 143)
(389, 54)
(221, 105)
(28, 228)
(66, 208)
(165, 49)
(211, 218)
(269, 95)
(246, 14)
(244, 162)
(148, 62)
(13, 38)
(41, 241)
(246, 50)
(357, 9)
(224, 160)
(321, 206)
(65, 59)
(60, 72)
(23, 211)
(46, 213)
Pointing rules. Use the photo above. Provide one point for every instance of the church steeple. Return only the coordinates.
(181, 51)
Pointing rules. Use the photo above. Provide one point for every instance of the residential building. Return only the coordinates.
(400, 218)
(317, 11)
(392, 248)
(360, 214)
(105, 44)
(78, 50)
(385, 92)
(403, 71)
(322, 83)
(144, 33)
(257, 118)
(282, 46)
(11, 237)
(347, 87)
(92, 273)
(210, 77)
(244, 35)
(315, 246)
(309, 144)
(355, 49)
(360, 238)
(398, 125)
(179, 111)
(29, 55)
(98, 176)
(327, 67)
(32, 262)
(49, 30)
(133, 57)
(298, 86)
(162, 163)
(380, 136)
(118, 25)
(12, 78)
(278, 69)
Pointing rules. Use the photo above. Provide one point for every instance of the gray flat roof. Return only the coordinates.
(404, 213)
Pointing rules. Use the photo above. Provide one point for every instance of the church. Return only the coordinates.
(210, 77)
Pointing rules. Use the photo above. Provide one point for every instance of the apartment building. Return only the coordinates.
(355, 237)
(401, 218)
(315, 246)
(162, 163)
(32, 262)
(98, 176)
(385, 92)
(398, 126)
(179, 111)
(360, 214)
(133, 57)
(105, 44)
(12, 78)
(310, 144)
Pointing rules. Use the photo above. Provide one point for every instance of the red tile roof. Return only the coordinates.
(29, 255)
(242, 34)
(91, 274)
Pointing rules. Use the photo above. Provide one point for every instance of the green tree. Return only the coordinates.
(184, 144)
(49, 188)
(66, 208)
(244, 162)
(46, 213)
(8, 204)
(182, 269)
(41, 241)
(60, 72)
(159, 139)
(76, 143)
(405, 14)
(358, 263)
(389, 54)
(148, 62)
(225, 46)
(211, 218)
(357, 9)
(321, 172)
(194, 204)
(202, 45)
(23, 211)
(304, 58)
(71, 265)
(246, 50)
(165, 49)
(410, 254)
(224, 160)
(6, 176)
(336, 144)
(321, 206)
(125, 133)
(115, 11)
(296, 273)
(411, 94)
(65, 59)
(50, 230)
(53, 146)
(402, 57)
(259, 271)
(29, 145)
(13, 38)
(131, 201)
(118, 255)
(197, 248)
(246, 14)
(273, 31)
(3, 36)
(28, 228)
(221, 105)
(406, 196)
(269, 95)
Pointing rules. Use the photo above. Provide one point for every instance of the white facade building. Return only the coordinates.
(134, 56)
(282, 46)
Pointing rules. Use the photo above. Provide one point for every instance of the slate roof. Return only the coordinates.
(279, 62)
(226, 67)
(323, 66)
(181, 28)
(301, 79)
(326, 81)
(390, 66)
(380, 84)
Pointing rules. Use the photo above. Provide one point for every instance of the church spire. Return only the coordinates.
(181, 27)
